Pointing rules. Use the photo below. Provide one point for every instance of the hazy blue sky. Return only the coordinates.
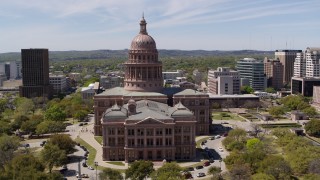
(174, 24)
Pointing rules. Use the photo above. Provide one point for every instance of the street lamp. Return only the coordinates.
(96, 165)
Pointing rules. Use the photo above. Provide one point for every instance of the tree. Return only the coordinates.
(7, 147)
(30, 125)
(310, 111)
(311, 177)
(240, 172)
(24, 105)
(168, 171)
(238, 134)
(25, 166)
(270, 90)
(277, 111)
(253, 144)
(276, 166)
(3, 104)
(64, 142)
(262, 176)
(110, 174)
(215, 172)
(313, 128)
(80, 115)
(55, 113)
(139, 170)
(52, 155)
(246, 90)
(314, 166)
(50, 127)
(235, 139)
(18, 120)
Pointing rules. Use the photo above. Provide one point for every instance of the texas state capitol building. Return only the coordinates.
(143, 120)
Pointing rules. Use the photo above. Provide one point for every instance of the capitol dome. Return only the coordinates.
(143, 41)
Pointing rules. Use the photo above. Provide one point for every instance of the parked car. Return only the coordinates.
(207, 163)
(220, 149)
(217, 136)
(84, 164)
(190, 169)
(199, 167)
(43, 143)
(201, 174)
(91, 168)
(63, 169)
(225, 134)
(81, 124)
(211, 138)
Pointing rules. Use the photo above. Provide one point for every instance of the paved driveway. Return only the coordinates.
(213, 146)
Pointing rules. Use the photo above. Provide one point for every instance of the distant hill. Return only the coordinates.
(123, 54)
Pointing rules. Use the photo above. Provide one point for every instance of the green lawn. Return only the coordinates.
(99, 139)
(92, 155)
(92, 151)
(118, 163)
(225, 116)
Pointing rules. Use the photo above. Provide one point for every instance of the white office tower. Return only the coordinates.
(300, 66)
(223, 81)
(15, 70)
(312, 62)
(307, 64)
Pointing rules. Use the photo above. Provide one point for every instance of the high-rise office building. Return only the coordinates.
(253, 70)
(287, 58)
(306, 72)
(223, 81)
(273, 70)
(35, 70)
(15, 70)
(307, 63)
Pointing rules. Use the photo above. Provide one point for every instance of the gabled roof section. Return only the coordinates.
(120, 91)
(150, 120)
(189, 92)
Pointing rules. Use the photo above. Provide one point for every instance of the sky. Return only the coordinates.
(61, 25)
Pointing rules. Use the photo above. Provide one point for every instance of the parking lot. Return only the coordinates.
(76, 161)
(212, 150)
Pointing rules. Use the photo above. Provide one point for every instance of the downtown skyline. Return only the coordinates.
(186, 25)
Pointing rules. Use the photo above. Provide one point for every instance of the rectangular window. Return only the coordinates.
(111, 131)
(177, 130)
(159, 141)
(140, 132)
(168, 141)
(168, 131)
(149, 142)
(158, 132)
(120, 131)
(149, 132)
(140, 142)
(130, 142)
(130, 132)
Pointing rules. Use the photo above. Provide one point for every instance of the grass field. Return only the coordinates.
(92, 151)
(98, 139)
(118, 163)
(225, 116)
